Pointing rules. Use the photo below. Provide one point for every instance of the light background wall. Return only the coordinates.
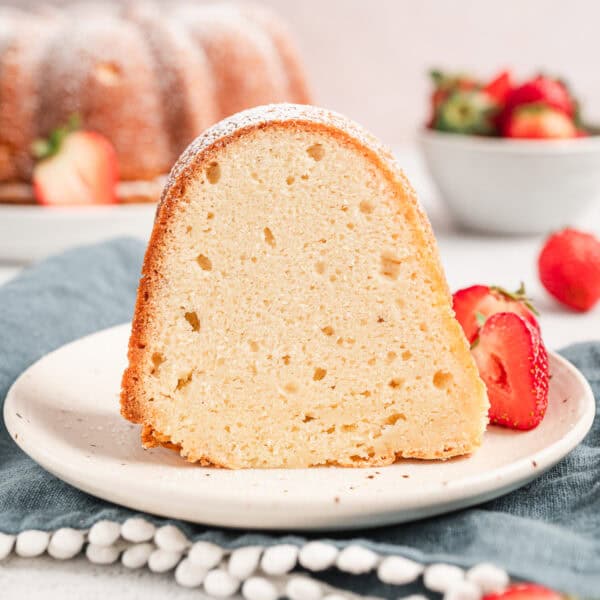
(369, 58)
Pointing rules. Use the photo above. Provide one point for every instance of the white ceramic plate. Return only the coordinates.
(63, 412)
(32, 232)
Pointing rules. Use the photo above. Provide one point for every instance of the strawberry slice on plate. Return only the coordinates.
(75, 167)
(525, 591)
(513, 363)
(474, 304)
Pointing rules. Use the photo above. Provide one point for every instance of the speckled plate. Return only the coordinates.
(64, 412)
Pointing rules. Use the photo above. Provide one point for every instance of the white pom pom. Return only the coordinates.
(463, 590)
(137, 556)
(356, 560)
(104, 533)
(279, 560)
(303, 588)
(65, 543)
(161, 561)
(171, 539)
(205, 554)
(318, 556)
(220, 584)
(244, 561)
(441, 577)
(259, 588)
(137, 530)
(188, 574)
(397, 570)
(101, 555)
(7, 543)
(32, 543)
(488, 577)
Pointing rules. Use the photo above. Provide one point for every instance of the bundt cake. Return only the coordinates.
(147, 78)
(292, 310)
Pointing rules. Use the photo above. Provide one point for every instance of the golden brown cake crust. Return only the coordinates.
(194, 160)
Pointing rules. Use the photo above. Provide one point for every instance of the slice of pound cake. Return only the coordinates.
(293, 311)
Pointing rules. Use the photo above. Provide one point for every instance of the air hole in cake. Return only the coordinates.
(193, 320)
(366, 394)
(393, 419)
(290, 179)
(390, 265)
(372, 361)
(157, 360)
(253, 346)
(204, 262)
(316, 152)
(213, 172)
(188, 229)
(391, 356)
(366, 207)
(304, 177)
(332, 278)
(330, 429)
(442, 379)
(291, 388)
(319, 374)
(210, 216)
(423, 326)
(406, 355)
(108, 73)
(395, 236)
(350, 226)
(184, 381)
(396, 383)
(380, 320)
(351, 427)
(308, 418)
(286, 359)
(269, 238)
(320, 267)
(327, 330)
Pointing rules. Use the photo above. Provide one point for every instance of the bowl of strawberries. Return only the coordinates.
(508, 157)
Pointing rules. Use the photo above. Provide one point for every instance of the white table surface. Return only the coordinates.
(468, 259)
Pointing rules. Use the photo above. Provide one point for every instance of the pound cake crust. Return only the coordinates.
(292, 310)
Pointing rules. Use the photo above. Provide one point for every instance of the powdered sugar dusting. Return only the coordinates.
(277, 113)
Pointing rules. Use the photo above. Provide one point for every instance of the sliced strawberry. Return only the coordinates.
(551, 92)
(500, 87)
(77, 167)
(525, 591)
(513, 363)
(539, 121)
(478, 302)
(569, 268)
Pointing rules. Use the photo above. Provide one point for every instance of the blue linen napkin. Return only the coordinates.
(548, 531)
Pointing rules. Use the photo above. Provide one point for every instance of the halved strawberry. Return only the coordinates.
(513, 363)
(478, 302)
(75, 167)
(525, 591)
(539, 121)
(500, 87)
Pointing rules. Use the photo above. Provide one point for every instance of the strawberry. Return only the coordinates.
(541, 89)
(513, 363)
(500, 87)
(444, 86)
(75, 167)
(524, 591)
(538, 121)
(478, 302)
(569, 268)
(470, 112)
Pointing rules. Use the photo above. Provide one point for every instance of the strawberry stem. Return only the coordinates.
(519, 295)
(45, 148)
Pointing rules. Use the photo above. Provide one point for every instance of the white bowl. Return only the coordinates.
(513, 186)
